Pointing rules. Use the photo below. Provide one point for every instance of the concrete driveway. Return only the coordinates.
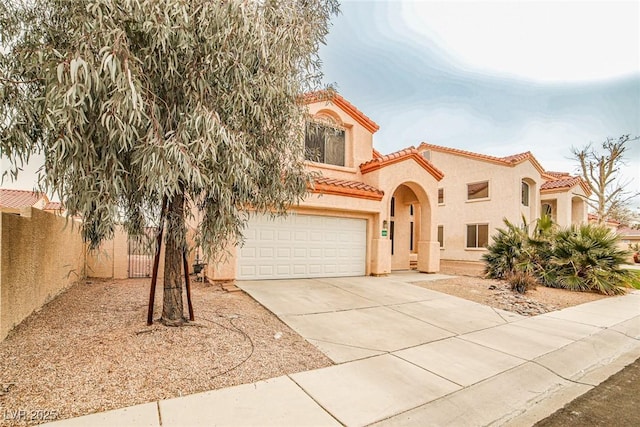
(358, 317)
(409, 356)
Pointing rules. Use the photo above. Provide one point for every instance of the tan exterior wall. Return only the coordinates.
(111, 259)
(568, 207)
(625, 243)
(504, 201)
(40, 256)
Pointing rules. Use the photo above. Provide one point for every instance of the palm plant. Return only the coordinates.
(539, 249)
(588, 258)
(506, 251)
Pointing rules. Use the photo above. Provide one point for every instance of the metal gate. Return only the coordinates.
(142, 249)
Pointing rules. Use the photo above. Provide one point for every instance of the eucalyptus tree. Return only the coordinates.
(133, 101)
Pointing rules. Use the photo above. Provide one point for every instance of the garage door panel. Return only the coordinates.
(284, 270)
(284, 252)
(302, 246)
(284, 236)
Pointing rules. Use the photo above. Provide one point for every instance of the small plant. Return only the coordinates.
(522, 282)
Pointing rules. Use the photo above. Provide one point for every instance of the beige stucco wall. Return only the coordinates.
(568, 206)
(40, 256)
(111, 259)
(424, 187)
(626, 242)
(504, 199)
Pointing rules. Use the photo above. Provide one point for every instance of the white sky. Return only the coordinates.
(544, 41)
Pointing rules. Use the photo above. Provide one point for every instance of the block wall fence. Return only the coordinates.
(41, 255)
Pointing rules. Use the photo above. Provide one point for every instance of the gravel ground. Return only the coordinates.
(90, 350)
(497, 294)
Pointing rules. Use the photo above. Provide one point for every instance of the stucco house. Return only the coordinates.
(18, 199)
(366, 215)
(478, 191)
(629, 238)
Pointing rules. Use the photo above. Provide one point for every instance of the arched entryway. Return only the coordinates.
(410, 223)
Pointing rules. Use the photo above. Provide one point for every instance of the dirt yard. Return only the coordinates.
(90, 350)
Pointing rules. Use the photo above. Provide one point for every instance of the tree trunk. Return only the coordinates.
(172, 308)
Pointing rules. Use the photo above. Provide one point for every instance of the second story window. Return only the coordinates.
(478, 190)
(525, 194)
(441, 196)
(324, 144)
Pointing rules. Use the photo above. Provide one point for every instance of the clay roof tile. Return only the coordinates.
(19, 198)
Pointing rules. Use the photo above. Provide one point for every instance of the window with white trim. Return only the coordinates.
(478, 190)
(477, 236)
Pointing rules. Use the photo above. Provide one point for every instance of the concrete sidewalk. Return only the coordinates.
(411, 356)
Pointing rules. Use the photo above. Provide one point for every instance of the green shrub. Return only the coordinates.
(584, 258)
(505, 252)
(588, 258)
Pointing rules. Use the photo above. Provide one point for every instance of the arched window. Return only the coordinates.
(324, 141)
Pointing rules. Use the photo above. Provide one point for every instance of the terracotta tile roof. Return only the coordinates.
(559, 181)
(398, 156)
(512, 160)
(594, 218)
(343, 104)
(53, 206)
(376, 154)
(557, 174)
(567, 182)
(343, 187)
(19, 198)
(628, 232)
(518, 158)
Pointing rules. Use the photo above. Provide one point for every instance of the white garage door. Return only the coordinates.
(301, 246)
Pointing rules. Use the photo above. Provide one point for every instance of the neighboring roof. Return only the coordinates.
(53, 206)
(557, 174)
(594, 218)
(343, 187)
(408, 153)
(345, 106)
(628, 232)
(19, 198)
(510, 161)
